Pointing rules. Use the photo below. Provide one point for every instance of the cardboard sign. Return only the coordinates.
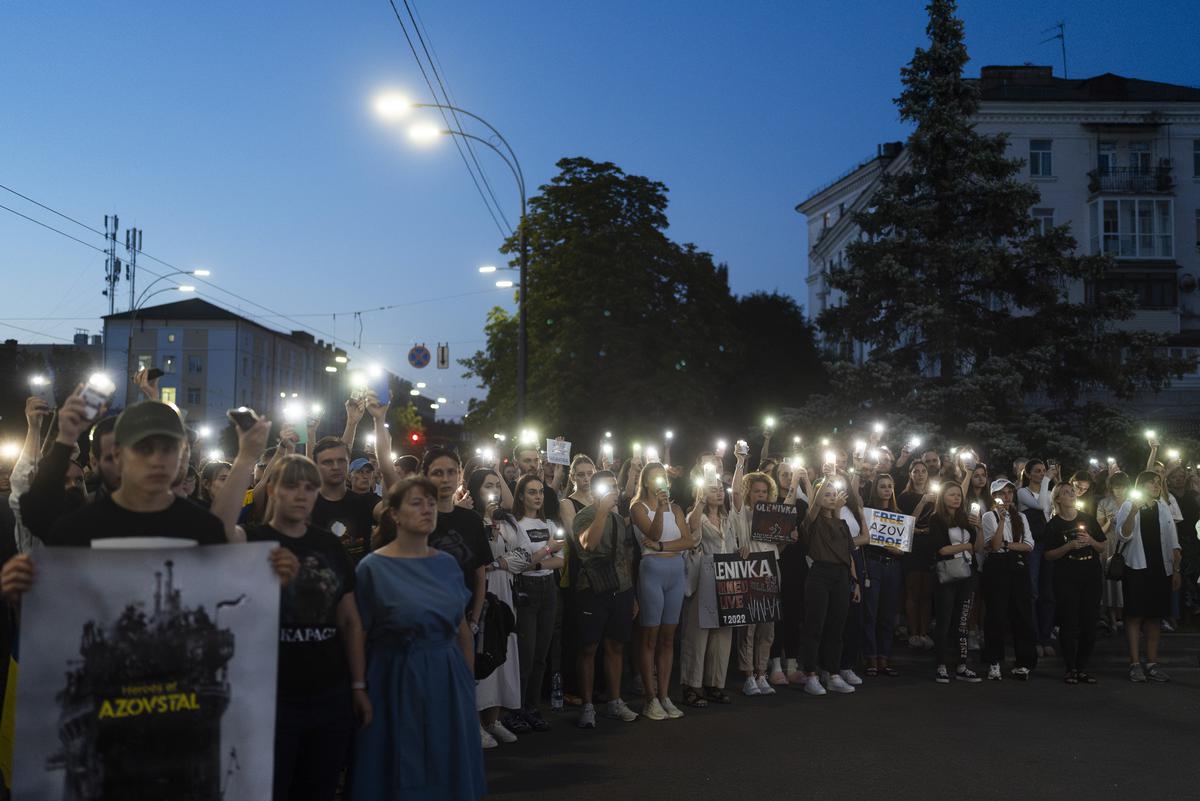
(890, 529)
(558, 452)
(773, 523)
(157, 670)
(737, 592)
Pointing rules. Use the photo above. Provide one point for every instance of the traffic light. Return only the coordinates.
(415, 438)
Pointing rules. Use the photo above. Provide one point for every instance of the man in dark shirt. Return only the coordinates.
(459, 531)
(349, 515)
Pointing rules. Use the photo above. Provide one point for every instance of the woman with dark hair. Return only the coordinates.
(664, 536)
(955, 533)
(1118, 485)
(1150, 547)
(917, 500)
(831, 586)
(882, 588)
(536, 590)
(852, 515)
(501, 689)
(1033, 500)
(1074, 543)
(424, 740)
(212, 479)
(1006, 588)
(975, 489)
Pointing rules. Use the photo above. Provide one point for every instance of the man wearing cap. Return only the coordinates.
(362, 476)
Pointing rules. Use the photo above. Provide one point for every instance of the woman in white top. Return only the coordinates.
(1150, 547)
(1033, 501)
(536, 592)
(955, 534)
(1006, 588)
(704, 655)
(664, 536)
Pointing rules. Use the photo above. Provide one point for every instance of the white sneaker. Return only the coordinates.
(751, 687)
(850, 677)
(673, 712)
(502, 734)
(488, 740)
(653, 710)
(813, 686)
(994, 673)
(926, 642)
(838, 685)
(619, 710)
(764, 686)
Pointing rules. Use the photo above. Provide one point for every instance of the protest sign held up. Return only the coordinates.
(739, 591)
(773, 523)
(890, 529)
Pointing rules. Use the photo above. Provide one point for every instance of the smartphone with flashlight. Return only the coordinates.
(97, 392)
(243, 417)
(41, 387)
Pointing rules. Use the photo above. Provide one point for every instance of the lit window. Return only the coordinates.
(167, 394)
(168, 364)
(170, 337)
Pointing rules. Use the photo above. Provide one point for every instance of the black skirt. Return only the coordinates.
(1147, 592)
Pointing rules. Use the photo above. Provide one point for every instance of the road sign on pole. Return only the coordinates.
(443, 353)
(419, 356)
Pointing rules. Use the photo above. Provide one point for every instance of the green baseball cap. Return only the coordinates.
(148, 419)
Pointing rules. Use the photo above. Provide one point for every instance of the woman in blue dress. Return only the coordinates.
(423, 743)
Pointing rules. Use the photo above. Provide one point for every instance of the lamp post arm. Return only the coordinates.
(512, 153)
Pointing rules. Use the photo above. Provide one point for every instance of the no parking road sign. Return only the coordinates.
(419, 356)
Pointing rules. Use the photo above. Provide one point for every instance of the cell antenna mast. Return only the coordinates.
(133, 245)
(112, 265)
(1061, 36)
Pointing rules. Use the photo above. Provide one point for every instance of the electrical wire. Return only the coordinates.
(457, 144)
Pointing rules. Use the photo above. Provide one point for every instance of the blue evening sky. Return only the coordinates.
(240, 136)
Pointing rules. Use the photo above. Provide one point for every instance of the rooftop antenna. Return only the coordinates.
(1061, 36)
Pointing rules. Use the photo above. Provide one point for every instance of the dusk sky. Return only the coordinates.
(241, 138)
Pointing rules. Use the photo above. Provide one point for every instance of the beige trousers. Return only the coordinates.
(704, 653)
(754, 647)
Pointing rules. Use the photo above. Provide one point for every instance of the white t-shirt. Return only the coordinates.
(538, 532)
(990, 522)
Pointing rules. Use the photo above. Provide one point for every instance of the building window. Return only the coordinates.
(1139, 158)
(1040, 163)
(170, 337)
(1151, 290)
(195, 364)
(1106, 159)
(168, 364)
(167, 394)
(825, 220)
(1137, 228)
(193, 395)
(1043, 220)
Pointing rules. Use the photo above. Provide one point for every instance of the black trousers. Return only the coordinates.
(312, 744)
(789, 632)
(1078, 586)
(826, 601)
(1008, 605)
(952, 608)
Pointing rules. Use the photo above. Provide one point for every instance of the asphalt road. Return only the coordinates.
(896, 738)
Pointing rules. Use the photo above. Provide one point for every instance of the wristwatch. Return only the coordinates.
(537, 565)
(358, 685)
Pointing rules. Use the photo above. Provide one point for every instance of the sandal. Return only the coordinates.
(888, 670)
(872, 671)
(1071, 678)
(1085, 678)
(693, 698)
(716, 695)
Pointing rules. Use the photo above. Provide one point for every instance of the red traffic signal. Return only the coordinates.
(415, 437)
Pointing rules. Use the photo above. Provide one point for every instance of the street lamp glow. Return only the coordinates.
(330, 368)
(202, 273)
(414, 392)
(504, 284)
(424, 132)
(488, 268)
(392, 105)
(375, 371)
(340, 359)
(420, 385)
(435, 406)
(186, 288)
(204, 433)
(441, 400)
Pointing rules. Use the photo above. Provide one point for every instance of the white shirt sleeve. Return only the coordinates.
(990, 522)
(1122, 515)
(1026, 535)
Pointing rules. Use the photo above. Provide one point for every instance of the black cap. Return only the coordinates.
(148, 419)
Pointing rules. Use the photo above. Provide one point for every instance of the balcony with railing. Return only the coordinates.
(1139, 180)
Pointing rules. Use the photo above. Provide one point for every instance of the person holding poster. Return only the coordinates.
(883, 587)
(832, 584)
(424, 740)
(754, 640)
(660, 585)
(704, 657)
(1007, 593)
(955, 534)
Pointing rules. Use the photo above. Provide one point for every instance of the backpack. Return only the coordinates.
(496, 623)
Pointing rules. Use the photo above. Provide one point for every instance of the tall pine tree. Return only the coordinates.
(974, 318)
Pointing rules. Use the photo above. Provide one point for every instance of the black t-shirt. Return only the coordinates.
(460, 533)
(1058, 531)
(105, 519)
(311, 654)
(350, 520)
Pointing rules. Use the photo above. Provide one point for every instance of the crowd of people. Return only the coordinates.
(471, 593)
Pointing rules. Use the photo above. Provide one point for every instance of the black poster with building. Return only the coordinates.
(745, 590)
(152, 679)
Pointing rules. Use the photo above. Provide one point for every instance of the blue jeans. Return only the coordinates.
(881, 602)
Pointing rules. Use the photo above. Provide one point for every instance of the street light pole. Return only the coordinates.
(522, 252)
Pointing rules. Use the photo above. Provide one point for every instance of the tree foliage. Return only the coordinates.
(973, 316)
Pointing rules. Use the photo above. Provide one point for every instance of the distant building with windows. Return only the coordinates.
(214, 360)
(1118, 159)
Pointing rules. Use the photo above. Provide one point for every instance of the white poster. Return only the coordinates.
(890, 529)
(558, 452)
(148, 674)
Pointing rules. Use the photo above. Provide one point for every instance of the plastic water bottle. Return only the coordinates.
(556, 692)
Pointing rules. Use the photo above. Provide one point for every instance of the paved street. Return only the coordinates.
(901, 738)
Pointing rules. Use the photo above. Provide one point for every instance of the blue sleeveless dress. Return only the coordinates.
(423, 742)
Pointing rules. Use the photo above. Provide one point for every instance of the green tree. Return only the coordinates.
(626, 327)
(966, 307)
